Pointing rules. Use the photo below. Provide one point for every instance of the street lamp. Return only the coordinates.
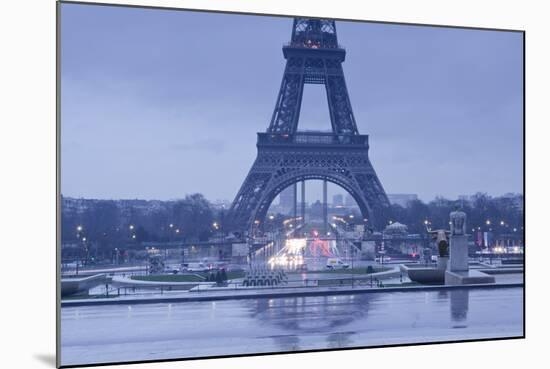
(131, 227)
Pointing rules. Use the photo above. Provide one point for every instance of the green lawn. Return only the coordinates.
(348, 271)
(195, 277)
(86, 296)
(169, 278)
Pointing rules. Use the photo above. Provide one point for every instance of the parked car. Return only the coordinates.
(336, 263)
(171, 269)
(194, 267)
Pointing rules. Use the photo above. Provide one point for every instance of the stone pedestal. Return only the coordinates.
(458, 260)
(442, 262)
(458, 270)
(468, 277)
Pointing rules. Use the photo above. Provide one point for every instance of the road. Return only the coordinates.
(99, 334)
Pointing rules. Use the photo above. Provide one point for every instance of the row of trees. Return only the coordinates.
(108, 224)
(486, 213)
(104, 227)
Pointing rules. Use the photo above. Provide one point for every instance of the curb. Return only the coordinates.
(277, 293)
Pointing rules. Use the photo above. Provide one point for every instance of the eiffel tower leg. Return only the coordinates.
(325, 208)
(303, 203)
(295, 204)
(273, 171)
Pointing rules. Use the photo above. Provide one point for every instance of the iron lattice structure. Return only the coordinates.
(287, 156)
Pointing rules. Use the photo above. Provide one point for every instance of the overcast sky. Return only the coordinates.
(158, 104)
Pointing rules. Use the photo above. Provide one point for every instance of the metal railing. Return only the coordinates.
(313, 138)
(314, 45)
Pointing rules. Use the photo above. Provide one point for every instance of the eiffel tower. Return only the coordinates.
(287, 156)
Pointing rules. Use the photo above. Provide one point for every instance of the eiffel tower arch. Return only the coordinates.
(287, 155)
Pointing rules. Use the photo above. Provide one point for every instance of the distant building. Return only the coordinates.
(286, 199)
(338, 200)
(350, 201)
(316, 210)
(402, 199)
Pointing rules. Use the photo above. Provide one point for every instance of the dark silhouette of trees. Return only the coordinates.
(496, 214)
(110, 224)
(195, 216)
(95, 228)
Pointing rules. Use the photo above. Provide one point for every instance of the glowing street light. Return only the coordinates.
(178, 230)
(271, 217)
(171, 225)
(426, 222)
(134, 236)
(502, 222)
(488, 222)
(131, 226)
(79, 228)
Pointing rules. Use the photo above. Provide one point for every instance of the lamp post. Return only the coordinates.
(352, 272)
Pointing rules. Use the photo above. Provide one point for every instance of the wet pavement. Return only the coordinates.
(96, 334)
